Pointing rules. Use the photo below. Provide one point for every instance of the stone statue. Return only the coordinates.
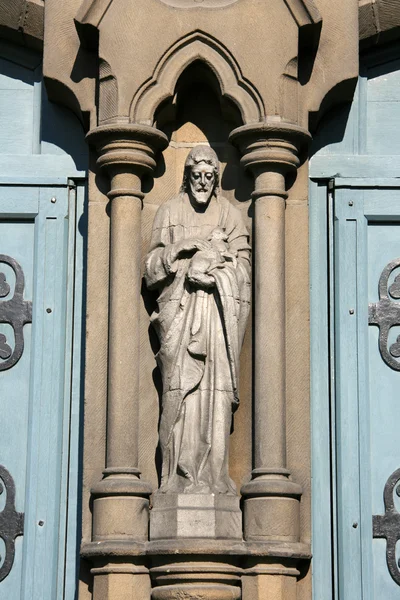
(199, 261)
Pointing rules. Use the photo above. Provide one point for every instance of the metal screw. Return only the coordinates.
(351, 202)
(48, 310)
(355, 525)
(351, 311)
(41, 523)
(53, 200)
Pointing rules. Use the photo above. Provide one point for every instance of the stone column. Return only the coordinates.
(121, 499)
(271, 500)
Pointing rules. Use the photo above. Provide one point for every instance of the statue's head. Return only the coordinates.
(201, 175)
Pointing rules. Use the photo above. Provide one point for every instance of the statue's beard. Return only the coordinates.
(201, 196)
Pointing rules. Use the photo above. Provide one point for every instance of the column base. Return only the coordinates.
(196, 580)
(192, 591)
(120, 508)
(271, 509)
(176, 516)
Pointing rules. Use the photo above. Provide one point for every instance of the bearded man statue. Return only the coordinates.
(199, 261)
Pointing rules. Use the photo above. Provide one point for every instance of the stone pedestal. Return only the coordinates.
(177, 516)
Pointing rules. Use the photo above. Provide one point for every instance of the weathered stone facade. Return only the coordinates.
(150, 80)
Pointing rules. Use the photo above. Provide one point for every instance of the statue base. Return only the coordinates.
(207, 516)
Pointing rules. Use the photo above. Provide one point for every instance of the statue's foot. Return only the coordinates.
(199, 488)
(224, 488)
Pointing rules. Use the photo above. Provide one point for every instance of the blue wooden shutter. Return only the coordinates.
(367, 239)
(40, 393)
(354, 235)
(42, 223)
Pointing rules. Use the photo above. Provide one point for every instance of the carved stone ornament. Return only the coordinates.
(385, 314)
(14, 311)
(199, 262)
(198, 3)
(387, 526)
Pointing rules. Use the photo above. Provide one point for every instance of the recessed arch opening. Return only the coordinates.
(197, 112)
(194, 48)
(198, 99)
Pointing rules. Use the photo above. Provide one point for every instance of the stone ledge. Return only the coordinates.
(22, 22)
(379, 22)
(197, 547)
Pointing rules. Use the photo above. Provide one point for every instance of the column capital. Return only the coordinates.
(270, 147)
(126, 152)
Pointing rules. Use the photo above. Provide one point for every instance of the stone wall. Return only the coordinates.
(251, 79)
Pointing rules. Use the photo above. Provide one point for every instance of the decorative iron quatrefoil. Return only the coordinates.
(15, 311)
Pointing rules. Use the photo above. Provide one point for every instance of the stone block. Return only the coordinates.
(268, 587)
(271, 519)
(122, 581)
(120, 518)
(195, 516)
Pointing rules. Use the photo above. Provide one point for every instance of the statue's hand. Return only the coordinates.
(174, 251)
(190, 245)
(200, 279)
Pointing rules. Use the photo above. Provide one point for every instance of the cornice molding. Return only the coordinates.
(379, 21)
(22, 21)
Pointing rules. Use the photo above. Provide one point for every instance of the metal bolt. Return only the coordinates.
(48, 310)
(355, 525)
(351, 202)
(41, 523)
(53, 200)
(351, 311)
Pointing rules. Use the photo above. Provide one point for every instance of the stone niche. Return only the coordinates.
(196, 114)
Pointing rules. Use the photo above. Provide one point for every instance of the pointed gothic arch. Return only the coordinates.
(193, 47)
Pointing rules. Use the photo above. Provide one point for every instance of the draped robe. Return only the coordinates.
(201, 333)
